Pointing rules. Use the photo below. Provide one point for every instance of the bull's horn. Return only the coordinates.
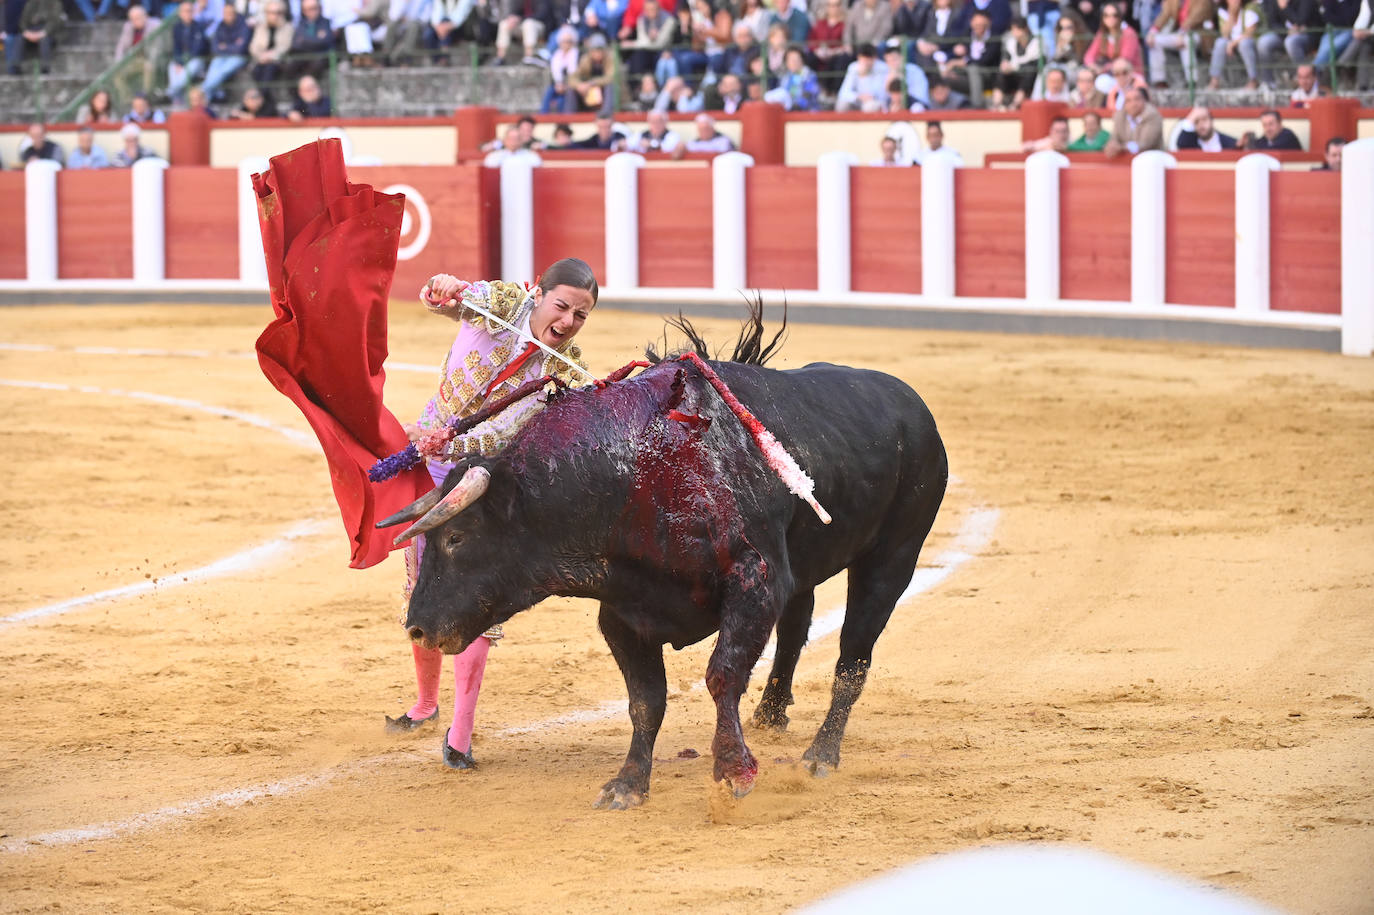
(468, 491)
(415, 509)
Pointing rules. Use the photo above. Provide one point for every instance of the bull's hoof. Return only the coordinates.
(741, 783)
(820, 763)
(616, 795)
(769, 717)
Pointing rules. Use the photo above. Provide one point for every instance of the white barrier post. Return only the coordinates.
(622, 220)
(40, 220)
(1252, 232)
(729, 267)
(1042, 225)
(252, 262)
(833, 221)
(517, 217)
(1357, 245)
(937, 225)
(149, 219)
(1147, 226)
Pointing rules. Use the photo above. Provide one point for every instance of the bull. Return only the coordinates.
(649, 496)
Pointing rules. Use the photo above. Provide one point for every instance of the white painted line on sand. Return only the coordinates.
(177, 354)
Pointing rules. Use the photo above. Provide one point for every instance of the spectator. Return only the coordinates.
(311, 102)
(558, 95)
(1124, 80)
(40, 27)
(269, 45)
(1115, 40)
(1359, 54)
(87, 155)
(446, 21)
(677, 95)
(794, 20)
(864, 86)
(725, 95)
(943, 98)
(651, 51)
(869, 22)
(829, 54)
(910, 19)
(1273, 135)
(741, 53)
(562, 137)
(1289, 22)
(1196, 131)
(531, 17)
(1178, 28)
(524, 131)
(312, 38)
(500, 150)
(1238, 25)
(1070, 47)
(916, 83)
(1340, 17)
(604, 17)
(935, 143)
(1058, 139)
(405, 30)
(370, 27)
(197, 101)
(142, 112)
(607, 137)
(1042, 16)
(942, 33)
(1085, 93)
(1307, 87)
(1019, 66)
(1055, 88)
(975, 64)
(1094, 137)
(190, 51)
(137, 26)
(253, 106)
(797, 88)
(888, 145)
(709, 33)
(998, 13)
(775, 49)
(106, 6)
(132, 150)
(228, 50)
(594, 77)
(1331, 158)
(98, 110)
(659, 137)
(36, 145)
(752, 13)
(1137, 126)
(708, 139)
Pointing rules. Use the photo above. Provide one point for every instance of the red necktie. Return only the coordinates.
(511, 367)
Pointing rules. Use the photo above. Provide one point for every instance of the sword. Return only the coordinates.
(511, 327)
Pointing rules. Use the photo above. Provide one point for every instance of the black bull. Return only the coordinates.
(651, 497)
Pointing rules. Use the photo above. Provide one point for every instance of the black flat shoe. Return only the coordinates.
(456, 759)
(405, 723)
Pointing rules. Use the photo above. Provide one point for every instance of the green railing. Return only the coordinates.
(143, 69)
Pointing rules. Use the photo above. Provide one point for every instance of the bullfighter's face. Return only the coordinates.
(559, 314)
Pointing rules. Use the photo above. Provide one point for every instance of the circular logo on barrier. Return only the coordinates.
(415, 224)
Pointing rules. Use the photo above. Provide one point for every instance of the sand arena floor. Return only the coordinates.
(1162, 646)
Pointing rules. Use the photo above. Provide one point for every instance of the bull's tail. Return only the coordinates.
(749, 346)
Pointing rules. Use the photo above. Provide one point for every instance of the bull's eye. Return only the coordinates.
(452, 540)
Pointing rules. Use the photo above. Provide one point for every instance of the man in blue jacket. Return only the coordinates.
(229, 47)
(190, 50)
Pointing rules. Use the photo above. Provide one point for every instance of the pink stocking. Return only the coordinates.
(468, 668)
(428, 666)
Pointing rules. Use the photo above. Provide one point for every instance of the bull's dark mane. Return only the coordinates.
(749, 346)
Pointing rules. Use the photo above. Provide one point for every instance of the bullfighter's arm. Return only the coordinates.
(500, 298)
(491, 437)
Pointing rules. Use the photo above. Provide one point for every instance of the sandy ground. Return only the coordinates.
(1164, 651)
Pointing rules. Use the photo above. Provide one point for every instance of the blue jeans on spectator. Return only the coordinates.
(179, 76)
(106, 4)
(1339, 40)
(556, 102)
(14, 51)
(87, 11)
(1041, 24)
(665, 68)
(690, 63)
(222, 69)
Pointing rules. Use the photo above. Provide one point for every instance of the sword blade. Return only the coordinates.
(511, 327)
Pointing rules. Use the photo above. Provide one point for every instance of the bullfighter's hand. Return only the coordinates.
(442, 290)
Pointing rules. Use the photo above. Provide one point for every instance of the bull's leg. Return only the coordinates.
(641, 663)
(792, 631)
(875, 583)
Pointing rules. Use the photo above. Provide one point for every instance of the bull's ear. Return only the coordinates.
(504, 492)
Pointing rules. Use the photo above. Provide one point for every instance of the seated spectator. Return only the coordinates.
(830, 56)
(797, 87)
(651, 48)
(973, 65)
(725, 95)
(1115, 40)
(1019, 66)
(708, 139)
(1359, 54)
(311, 102)
(269, 45)
(1179, 28)
(197, 102)
(1070, 44)
(592, 83)
(1085, 93)
(141, 111)
(750, 13)
(524, 131)
(1273, 135)
(190, 52)
(531, 17)
(1137, 126)
(500, 150)
(1094, 137)
(1331, 157)
(1288, 26)
(740, 54)
(1053, 87)
(140, 76)
(1057, 140)
(137, 26)
(707, 29)
(917, 84)
(1340, 17)
(405, 28)
(87, 154)
(228, 50)
(678, 95)
(1123, 80)
(132, 150)
(792, 16)
(774, 49)
(868, 22)
(604, 17)
(446, 21)
(910, 19)
(943, 98)
(935, 143)
(1307, 87)
(941, 36)
(253, 105)
(99, 110)
(562, 137)
(36, 145)
(658, 137)
(1238, 24)
(1196, 131)
(606, 136)
(558, 94)
(646, 96)
(998, 13)
(864, 86)
(311, 40)
(888, 145)
(40, 27)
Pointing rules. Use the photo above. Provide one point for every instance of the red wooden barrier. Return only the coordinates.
(989, 235)
(202, 223)
(675, 227)
(1200, 238)
(13, 228)
(1095, 233)
(885, 230)
(95, 225)
(780, 223)
(1305, 242)
(570, 217)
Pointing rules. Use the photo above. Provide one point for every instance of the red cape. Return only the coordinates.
(331, 253)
